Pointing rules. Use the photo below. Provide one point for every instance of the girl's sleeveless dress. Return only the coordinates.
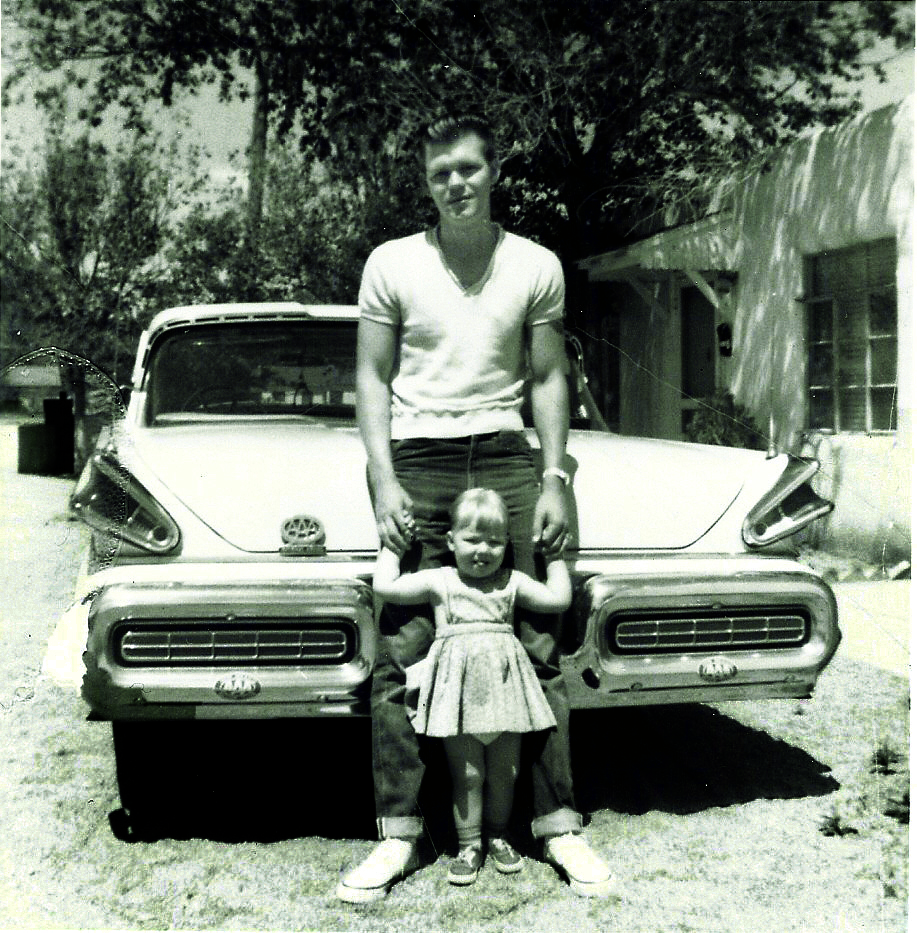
(476, 678)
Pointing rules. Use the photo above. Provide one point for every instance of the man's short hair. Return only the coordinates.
(447, 128)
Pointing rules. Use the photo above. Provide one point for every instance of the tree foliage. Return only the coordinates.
(81, 239)
(608, 109)
(96, 242)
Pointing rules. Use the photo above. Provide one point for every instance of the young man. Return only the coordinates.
(453, 320)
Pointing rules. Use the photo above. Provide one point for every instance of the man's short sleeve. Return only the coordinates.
(377, 298)
(548, 290)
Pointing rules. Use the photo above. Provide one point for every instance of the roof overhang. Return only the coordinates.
(709, 245)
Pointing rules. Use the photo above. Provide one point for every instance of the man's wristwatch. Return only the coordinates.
(558, 472)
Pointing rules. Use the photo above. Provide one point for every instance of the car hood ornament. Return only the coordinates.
(302, 536)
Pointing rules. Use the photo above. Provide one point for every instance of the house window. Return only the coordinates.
(853, 338)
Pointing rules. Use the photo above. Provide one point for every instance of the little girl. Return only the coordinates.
(477, 688)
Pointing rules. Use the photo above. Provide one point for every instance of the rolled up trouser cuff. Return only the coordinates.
(557, 823)
(399, 827)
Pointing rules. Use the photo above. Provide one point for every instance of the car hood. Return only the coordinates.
(244, 479)
(648, 494)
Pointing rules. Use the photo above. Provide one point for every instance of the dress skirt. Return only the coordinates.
(476, 679)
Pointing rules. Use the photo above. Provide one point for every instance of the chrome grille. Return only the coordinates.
(188, 643)
(656, 633)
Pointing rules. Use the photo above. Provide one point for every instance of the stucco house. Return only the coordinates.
(794, 294)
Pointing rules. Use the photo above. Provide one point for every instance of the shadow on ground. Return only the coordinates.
(683, 759)
(259, 781)
(268, 781)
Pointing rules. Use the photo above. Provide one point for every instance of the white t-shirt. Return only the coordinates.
(461, 365)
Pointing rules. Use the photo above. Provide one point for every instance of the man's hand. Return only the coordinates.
(550, 529)
(394, 517)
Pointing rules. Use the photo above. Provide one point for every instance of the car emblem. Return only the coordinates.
(237, 686)
(302, 535)
(717, 669)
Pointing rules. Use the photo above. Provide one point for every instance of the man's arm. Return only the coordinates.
(377, 345)
(551, 416)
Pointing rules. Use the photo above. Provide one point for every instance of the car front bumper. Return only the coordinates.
(228, 642)
(701, 631)
(176, 641)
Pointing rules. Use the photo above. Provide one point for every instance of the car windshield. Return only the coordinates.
(253, 369)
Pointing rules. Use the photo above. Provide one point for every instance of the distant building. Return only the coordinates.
(28, 384)
(796, 297)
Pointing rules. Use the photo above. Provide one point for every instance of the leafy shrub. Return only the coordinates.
(722, 422)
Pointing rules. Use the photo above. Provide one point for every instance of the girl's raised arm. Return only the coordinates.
(554, 595)
(395, 587)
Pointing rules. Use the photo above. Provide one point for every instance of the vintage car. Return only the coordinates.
(233, 541)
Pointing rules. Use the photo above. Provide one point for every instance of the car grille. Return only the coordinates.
(190, 643)
(662, 633)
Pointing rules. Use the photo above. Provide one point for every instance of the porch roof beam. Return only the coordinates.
(703, 286)
(649, 296)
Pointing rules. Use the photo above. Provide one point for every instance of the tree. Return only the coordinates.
(28, 295)
(136, 51)
(610, 110)
(82, 238)
(312, 246)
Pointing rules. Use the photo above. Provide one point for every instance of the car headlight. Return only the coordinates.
(109, 499)
(789, 506)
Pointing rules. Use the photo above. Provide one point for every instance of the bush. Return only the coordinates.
(722, 422)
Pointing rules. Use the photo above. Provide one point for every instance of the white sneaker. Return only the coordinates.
(588, 875)
(389, 862)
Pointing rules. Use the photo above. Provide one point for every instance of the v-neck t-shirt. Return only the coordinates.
(461, 363)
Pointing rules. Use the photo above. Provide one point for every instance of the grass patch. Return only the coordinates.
(884, 758)
(834, 824)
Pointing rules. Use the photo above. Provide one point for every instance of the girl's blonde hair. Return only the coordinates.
(482, 507)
